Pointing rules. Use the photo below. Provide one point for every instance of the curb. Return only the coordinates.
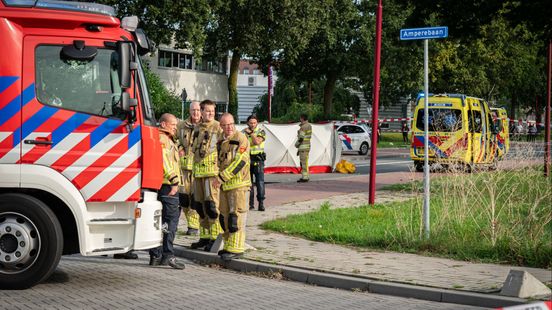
(353, 283)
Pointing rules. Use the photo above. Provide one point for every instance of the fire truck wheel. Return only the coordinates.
(31, 241)
(364, 148)
(419, 166)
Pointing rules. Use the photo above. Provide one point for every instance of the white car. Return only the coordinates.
(354, 138)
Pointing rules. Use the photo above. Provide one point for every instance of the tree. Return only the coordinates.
(258, 29)
(333, 50)
(162, 99)
(492, 50)
(168, 21)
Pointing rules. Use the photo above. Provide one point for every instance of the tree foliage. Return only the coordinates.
(495, 48)
(168, 21)
(258, 29)
(162, 99)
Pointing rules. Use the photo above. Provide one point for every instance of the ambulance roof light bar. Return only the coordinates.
(63, 5)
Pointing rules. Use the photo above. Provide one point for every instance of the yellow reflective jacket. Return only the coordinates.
(304, 137)
(234, 162)
(185, 131)
(257, 153)
(171, 167)
(206, 136)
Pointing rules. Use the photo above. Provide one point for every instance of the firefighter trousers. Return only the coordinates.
(206, 197)
(186, 199)
(304, 159)
(233, 210)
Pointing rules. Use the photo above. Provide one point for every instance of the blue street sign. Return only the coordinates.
(424, 33)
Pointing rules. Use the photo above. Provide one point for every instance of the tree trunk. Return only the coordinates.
(329, 88)
(538, 110)
(513, 108)
(233, 84)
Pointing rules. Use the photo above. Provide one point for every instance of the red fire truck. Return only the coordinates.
(80, 158)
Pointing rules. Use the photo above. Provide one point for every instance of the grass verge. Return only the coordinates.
(498, 217)
(393, 139)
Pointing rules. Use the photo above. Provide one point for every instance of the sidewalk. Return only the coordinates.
(423, 271)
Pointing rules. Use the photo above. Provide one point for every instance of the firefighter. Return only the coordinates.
(235, 179)
(303, 146)
(185, 132)
(206, 135)
(256, 137)
(168, 194)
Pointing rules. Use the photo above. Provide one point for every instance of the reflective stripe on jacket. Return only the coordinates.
(171, 167)
(234, 162)
(259, 148)
(185, 132)
(206, 136)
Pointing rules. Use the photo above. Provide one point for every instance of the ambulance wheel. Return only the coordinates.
(364, 148)
(419, 166)
(31, 241)
(469, 168)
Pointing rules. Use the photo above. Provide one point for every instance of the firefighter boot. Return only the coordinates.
(200, 244)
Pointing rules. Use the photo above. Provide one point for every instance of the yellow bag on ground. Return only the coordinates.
(344, 166)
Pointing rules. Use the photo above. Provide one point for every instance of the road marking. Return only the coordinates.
(387, 163)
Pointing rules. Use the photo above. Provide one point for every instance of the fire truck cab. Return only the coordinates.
(80, 158)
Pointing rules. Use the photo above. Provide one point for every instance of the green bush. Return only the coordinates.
(163, 100)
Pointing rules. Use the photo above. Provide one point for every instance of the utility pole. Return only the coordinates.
(375, 106)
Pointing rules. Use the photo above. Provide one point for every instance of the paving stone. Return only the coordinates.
(105, 283)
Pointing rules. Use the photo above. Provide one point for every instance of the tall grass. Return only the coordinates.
(503, 217)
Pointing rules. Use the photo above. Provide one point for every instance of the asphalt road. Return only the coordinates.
(105, 283)
(398, 160)
(388, 160)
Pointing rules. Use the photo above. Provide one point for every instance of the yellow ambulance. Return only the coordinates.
(461, 132)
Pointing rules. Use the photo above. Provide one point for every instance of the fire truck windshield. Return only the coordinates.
(62, 5)
(89, 86)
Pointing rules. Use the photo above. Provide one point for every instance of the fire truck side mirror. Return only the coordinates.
(123, 48)
(127, 103)
(143, 42)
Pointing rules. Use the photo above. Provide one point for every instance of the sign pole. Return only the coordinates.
(425, 34)
(547, 116)
(426, 138)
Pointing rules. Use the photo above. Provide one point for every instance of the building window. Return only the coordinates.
(246, 70)
(175, 60)
(255, 71)
(188, 61)
(211, 66)
(164, 59)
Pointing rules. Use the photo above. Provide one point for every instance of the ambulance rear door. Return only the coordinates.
(476, 127)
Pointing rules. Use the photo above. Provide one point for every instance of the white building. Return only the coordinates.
(252, 85)
(179, 70)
